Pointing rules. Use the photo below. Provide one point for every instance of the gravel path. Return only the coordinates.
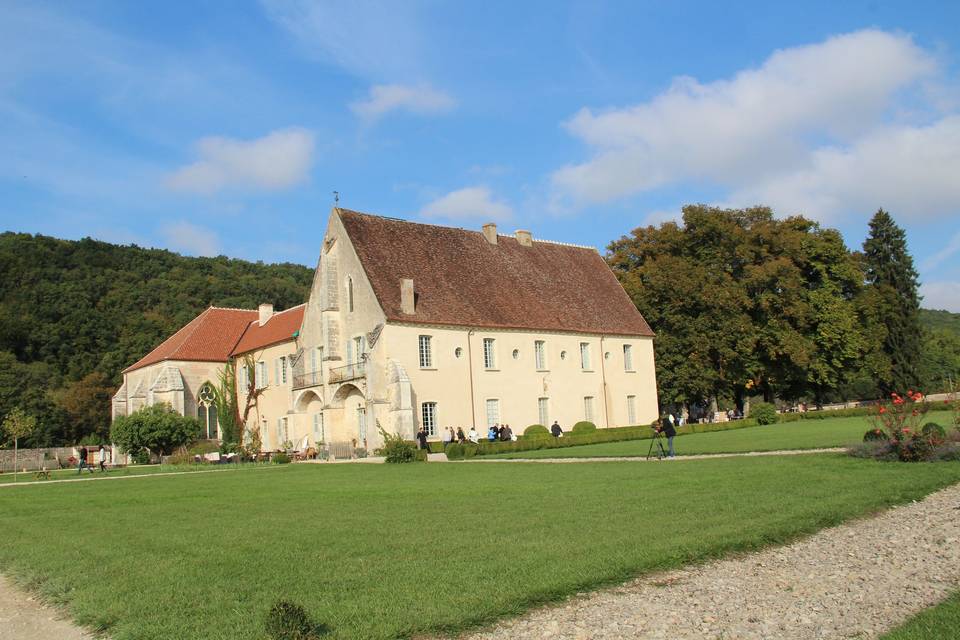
(851, 581)
(23, 618)
(699, 456)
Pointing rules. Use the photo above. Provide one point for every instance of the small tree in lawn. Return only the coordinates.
(157, 428)
(18, 425)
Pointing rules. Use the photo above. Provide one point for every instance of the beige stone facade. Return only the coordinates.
(372, 353)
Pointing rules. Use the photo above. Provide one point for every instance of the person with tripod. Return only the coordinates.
(666, 428)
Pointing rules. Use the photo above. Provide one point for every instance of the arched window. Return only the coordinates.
(207, 411)
(349, 294)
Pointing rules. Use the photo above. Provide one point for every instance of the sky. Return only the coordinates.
(216, 127)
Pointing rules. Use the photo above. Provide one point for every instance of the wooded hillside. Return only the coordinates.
(73, 314)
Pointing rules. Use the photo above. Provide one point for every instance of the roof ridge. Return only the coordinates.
(228, 309)
(444, 226)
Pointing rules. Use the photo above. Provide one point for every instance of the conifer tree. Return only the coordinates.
(889, 270)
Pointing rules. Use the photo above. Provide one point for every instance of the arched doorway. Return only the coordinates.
(349, 412)
(309, 405)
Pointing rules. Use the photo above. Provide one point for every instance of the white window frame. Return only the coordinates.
(585, 356)
(489, 353)
(318, 428)
(428, 418)
(540, 354)
(359, 346)
(628, 357)
(588, 408)
(425, 351)
(244, 379)
(493, 417)
(631, 410)
(362, 423)
(543, 411)
(261, 375)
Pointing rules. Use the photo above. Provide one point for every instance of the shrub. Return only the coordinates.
(395, 449)
(280, 458)
(455, 451)
(469, 450)
(873, 435)
(203, 446)
(764, 413)
(182, 457)
(934, 432)
(420, 455)
(583, 427)
(289, 621)
(141, 456)
(536, 431)
(158, 428)
(360, 452)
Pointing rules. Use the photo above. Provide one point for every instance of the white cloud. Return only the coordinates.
(934, 261)
(468, 203)
(364, 37)
(384, 98)
(191, 239)
(278, 160)
(804, 130)
(941, 295)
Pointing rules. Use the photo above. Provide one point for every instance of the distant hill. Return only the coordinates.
(940, 320)
(69, 309)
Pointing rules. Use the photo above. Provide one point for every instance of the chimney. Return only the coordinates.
(490, 232)
(266, 312)
(406, 297)
(524, 238)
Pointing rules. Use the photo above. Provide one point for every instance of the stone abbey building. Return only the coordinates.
(411, 325)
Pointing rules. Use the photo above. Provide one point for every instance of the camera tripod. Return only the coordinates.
(658, 441)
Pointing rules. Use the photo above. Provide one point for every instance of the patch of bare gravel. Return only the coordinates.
(855, 580)
(23, 617)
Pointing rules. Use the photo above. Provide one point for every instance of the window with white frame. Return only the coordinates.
(261, 375)
(281, 432)
(588, 408)
(244, 379)
(489, 355)
(426, 353)
(543, 410)
(428, 417)
(632, 409)
(362, 423)
(493, 412)
(318, 434)
(585, 356)
(627, 357)
(540, 354)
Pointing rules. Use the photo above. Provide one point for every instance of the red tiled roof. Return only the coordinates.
(210, 337)
(461, 279)
(279, 328)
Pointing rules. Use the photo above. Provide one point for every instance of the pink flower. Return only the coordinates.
(906, 430)
(883, 409)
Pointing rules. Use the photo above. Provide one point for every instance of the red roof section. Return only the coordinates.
(461, 279)
(279, 328)
(210, 337)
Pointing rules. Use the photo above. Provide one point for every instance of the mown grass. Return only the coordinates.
(941, 622)
(379, 551)
(136, 470)
(805, 434)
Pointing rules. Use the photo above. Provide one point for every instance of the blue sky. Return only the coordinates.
(223, 127)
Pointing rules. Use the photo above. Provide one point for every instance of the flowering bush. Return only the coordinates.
(896, 431)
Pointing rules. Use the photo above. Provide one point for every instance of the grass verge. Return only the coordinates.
(806, 434)
(379, 551)
(941, 622)
(137, 470)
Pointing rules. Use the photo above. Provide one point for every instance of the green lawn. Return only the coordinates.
(804, 434)
(136, 470)
(378, 551)
(941, 622)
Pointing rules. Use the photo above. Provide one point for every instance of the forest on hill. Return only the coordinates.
(74, 314)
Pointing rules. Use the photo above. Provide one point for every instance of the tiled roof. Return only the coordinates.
(210, 337)
(279, 328)
(461, 279)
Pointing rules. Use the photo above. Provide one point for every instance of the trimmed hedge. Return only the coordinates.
(536, 431)
(584, 426)
(764, 413)
(455, 451)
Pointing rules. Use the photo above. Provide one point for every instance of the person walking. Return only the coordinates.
(82, 454)
(473, 435)
(447, 437)
(102, 459)
(555, 429)
(461, 436)
(422, 440)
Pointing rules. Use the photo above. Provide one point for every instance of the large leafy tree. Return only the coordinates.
(891, 274)
(157, 428)
(743, 302)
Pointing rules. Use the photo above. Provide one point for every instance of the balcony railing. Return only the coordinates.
(349, 372)
(308, 379)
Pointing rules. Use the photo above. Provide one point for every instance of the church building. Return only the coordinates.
(411, 325)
